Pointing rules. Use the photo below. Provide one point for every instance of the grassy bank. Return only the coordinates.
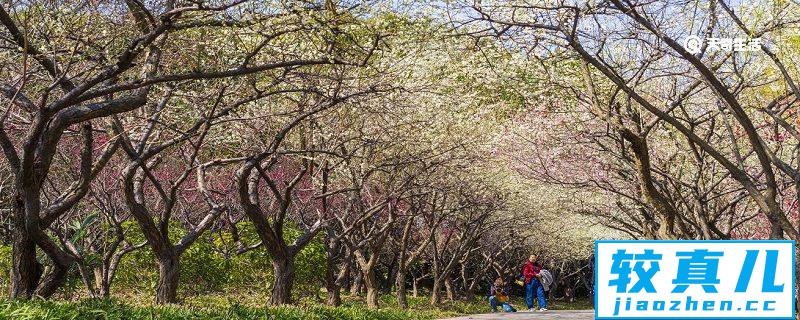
(249, 307)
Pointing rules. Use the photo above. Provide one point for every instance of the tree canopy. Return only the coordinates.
(382, 146)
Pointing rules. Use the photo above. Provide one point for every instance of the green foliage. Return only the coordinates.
(219, 309)
(82, 227)
(309, 263)
(204, 268)
(246, 307)
(137, 271)
(109, 309)
(249, 272)
(5, 267)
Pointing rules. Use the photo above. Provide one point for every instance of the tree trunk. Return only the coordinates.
(103, 284)
(776, 229)
(53, 280)
(436, 297)
(334, 298)
(469, 294)
(650, 194)
(341, 280)
(331, 286)
(372, 285)
(25, 269)
(87, 278)
(448, 285)
(390, 276)
(355, 289)
(168, 279)
(415, 290)
(401, 289)
(284, 279)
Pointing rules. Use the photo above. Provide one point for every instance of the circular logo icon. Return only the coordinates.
(692, 44)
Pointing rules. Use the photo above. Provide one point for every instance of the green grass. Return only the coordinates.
(110, 309)
(241, 307)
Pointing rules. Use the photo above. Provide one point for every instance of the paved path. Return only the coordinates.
(525, 315)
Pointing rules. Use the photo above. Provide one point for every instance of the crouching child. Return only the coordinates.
(498, 296)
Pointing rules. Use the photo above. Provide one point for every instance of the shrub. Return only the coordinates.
(113, 309)
(205, 269)
(5, 267)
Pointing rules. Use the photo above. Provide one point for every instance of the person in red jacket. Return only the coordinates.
(533, 283)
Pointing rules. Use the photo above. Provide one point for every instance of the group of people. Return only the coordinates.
(536, 281)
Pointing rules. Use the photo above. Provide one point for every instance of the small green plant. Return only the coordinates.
(5, 266)
(208, 308)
